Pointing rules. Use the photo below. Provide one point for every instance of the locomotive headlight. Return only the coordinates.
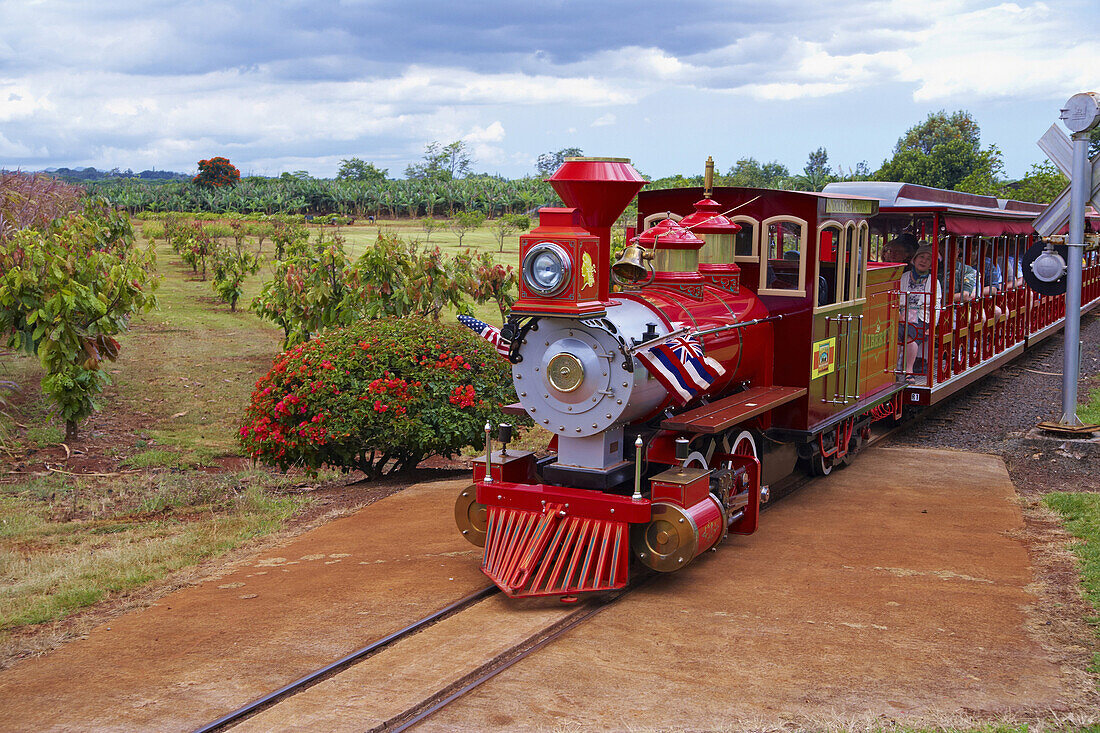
(546, 268)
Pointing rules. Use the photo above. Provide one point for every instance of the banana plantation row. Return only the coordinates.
(303, 195)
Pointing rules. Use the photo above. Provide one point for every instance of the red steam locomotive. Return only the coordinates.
(751, 333)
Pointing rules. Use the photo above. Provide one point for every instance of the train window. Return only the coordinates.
(785, 252)
(830, 264)
(856, 250)
(859, 263)
(745, 241)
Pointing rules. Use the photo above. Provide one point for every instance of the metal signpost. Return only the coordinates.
(1081, 114)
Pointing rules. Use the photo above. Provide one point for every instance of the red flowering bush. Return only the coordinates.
(379, 396)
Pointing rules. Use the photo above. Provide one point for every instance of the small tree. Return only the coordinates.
(492, 281)
(467, 221)
(65, 291)
(308, 290)
(231, 266)
(216, 172)
(429, 225)
(507, 225)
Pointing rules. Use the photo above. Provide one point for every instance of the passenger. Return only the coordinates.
(900, 249)
(1013, 266)
(966, 278)
(918, 288)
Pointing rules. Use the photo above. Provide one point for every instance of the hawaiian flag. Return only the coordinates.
(680, 365)
(487, 332)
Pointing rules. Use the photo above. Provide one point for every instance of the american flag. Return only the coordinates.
(680, 365)
(487, 332)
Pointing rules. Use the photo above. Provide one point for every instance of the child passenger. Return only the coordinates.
(918, 292)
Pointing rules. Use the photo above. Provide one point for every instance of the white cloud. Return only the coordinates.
(604, 120)
(491, 133)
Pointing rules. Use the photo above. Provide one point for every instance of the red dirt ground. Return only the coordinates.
(883, 593)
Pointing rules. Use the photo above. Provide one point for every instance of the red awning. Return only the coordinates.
(973, 226)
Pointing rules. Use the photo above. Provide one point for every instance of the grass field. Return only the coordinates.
(164, 484)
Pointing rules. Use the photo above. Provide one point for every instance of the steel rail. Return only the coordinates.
(312, 678)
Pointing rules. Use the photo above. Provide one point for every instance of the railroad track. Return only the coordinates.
(440, 698)
(328, 671)
(492, 667)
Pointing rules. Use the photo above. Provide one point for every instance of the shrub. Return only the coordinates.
(377, 396)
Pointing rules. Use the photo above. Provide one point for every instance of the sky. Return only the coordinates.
(288, 86)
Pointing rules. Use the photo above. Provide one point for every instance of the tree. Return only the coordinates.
(441, 163)
(1041, 185)
(216, 172)
(861, 172)
(356, 169)
(466, 221)
(509, 224)
(938, 129)
(816, 173)
(66, 290)
(987, 175)
(750, 173)
(547, 163)
(429, 225)
(945, 151)
(948, 165)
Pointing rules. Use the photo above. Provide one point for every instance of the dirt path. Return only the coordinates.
(207, 649)
(883, 593)
(896, 590)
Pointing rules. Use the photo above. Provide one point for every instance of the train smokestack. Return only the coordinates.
(601, 188)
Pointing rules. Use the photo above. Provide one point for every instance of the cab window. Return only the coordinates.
(831, 258)
(784, 252)
(744, 242)
(861, 235)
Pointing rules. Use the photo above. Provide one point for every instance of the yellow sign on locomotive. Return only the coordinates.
(824, 358)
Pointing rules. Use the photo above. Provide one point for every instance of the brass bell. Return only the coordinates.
(631, 263)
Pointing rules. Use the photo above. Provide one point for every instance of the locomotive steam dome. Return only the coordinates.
(718, 234)
(676, 250)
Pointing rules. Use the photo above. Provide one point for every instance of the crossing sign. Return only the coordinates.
(1058, 147)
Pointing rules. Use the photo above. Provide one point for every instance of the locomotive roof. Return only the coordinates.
(909, 197)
